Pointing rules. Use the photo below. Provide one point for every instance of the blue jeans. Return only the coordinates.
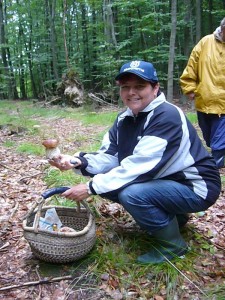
(155, 203)
(213, 130)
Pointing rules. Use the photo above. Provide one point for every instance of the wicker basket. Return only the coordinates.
(60, 247)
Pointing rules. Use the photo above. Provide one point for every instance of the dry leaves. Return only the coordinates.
(21, 179)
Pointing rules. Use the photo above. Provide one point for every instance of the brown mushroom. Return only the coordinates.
(51, 148)
(66, 229)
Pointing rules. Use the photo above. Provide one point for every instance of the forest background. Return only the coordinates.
(42, 41)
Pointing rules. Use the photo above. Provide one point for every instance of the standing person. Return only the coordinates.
(203, 80)
(151, 161)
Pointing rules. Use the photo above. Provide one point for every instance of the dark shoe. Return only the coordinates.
(182, 219)
(170, 245)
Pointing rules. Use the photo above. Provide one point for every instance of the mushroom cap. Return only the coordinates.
(50, 143)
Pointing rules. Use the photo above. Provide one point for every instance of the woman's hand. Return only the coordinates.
(78, 192)
(64, 162)
(191, 96)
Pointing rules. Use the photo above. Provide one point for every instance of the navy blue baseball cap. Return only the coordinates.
(143, 69)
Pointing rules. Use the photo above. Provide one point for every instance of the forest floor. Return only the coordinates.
(21, 178)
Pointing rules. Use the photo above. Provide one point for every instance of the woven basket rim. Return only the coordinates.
(57, 233)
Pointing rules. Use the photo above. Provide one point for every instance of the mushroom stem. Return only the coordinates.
(51, 153)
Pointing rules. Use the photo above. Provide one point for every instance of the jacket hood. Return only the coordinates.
(217, 34)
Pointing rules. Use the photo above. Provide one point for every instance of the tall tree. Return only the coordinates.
(21, 42)
(86, 52)
(52, 11)
(109, 22)
(11, 91)
(64, 32)
(198, 20)
(172, 50)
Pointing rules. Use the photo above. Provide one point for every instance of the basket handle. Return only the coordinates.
(53, 191)
(59, 190)
(47, 194)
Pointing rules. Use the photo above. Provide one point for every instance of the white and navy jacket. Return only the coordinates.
(158, 143)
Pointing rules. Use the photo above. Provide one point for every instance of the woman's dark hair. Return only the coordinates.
(153, 84)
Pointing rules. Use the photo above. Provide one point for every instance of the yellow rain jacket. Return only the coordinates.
(205, 74)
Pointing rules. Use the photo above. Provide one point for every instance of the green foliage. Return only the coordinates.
(30, 148)
(9, 144)
(55, 177)
(192, 117)
(117, 31)
(94, 118)
(223, 180)
(60, 201)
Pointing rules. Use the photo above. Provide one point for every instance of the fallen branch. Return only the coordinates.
(32, 283)
(53, 99)
(99, 100)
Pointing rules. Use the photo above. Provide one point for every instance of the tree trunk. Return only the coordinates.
(172, 50)
(52, 4)
(29, 51)
(21, 41)
(4, 49)
(86, 62)
(94, 48)
(143, 44)
(198, 20)
(109, 23)
(64, 32)
(211, 29)
(188, 43)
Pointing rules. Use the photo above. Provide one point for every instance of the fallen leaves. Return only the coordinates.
(21, 178)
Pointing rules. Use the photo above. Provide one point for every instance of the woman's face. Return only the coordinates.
(137, 93)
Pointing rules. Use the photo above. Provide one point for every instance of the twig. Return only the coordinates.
(13, 211)
(186, 278)
(32, 283)
(29, 176)
(2, 248)
(189, 280)
(76, 280)
(4, 166)
(40, 287)
(54, 99)
(8, 219)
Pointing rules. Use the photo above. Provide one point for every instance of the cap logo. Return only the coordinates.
(135, 64)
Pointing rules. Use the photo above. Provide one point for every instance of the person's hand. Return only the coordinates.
(65, 162)
(78, 192)
(191, 96)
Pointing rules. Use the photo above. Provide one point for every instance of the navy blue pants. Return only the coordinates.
(213, 131)
(155, 203)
